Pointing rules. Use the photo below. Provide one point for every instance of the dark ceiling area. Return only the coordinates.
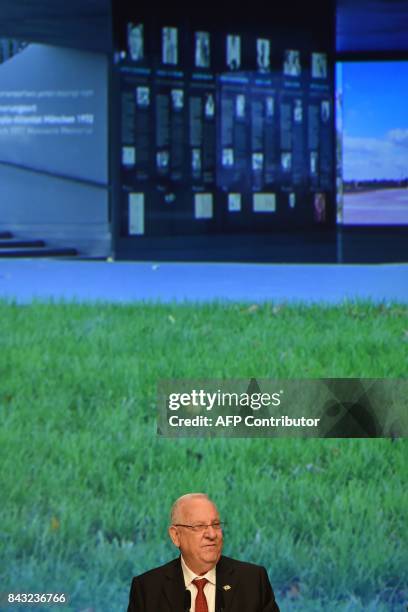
(82, 24)
(371, 26)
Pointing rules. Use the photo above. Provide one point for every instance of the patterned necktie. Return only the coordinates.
(200, 602)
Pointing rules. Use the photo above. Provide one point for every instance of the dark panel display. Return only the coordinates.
(223, 129)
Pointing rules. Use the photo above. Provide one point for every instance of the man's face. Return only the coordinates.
(200, 549)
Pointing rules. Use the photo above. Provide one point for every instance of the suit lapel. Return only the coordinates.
(174, 586)
(227, 583)
(226, 579)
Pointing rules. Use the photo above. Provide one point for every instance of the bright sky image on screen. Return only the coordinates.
(375, 142)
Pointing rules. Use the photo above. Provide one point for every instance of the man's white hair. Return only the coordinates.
(176, 507)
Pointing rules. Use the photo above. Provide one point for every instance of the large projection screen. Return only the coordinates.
(372, 129)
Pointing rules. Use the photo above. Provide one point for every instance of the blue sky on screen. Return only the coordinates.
(375, 120)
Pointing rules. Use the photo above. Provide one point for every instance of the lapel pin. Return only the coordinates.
(226, 587)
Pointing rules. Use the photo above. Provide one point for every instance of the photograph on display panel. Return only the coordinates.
(170, 45)
(291, 63)
(202, 50)
(135, 38)
(233, 51)
(263, 54)
(319, 65)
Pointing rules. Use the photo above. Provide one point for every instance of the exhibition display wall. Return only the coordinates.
(222, 129)
(213, 134)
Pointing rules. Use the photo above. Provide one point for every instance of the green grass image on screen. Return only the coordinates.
(86, 484)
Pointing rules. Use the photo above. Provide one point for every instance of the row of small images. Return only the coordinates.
(204, 207)
(233, 52)
(257, 160)
(262, 202)
(143, 99)
(177, 103)
(227, 159)
(266, 202)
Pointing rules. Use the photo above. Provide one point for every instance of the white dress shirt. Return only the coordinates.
(209, 589)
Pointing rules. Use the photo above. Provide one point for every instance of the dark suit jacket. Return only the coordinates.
(162, 589)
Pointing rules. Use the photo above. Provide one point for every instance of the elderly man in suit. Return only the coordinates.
(201, 579)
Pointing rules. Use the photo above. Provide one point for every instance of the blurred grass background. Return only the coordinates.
(86, 484)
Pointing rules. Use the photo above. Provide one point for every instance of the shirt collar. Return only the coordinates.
(189, 575)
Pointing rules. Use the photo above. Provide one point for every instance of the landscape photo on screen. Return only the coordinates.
(373, 142)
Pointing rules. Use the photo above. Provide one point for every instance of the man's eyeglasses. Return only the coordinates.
(201, 527)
